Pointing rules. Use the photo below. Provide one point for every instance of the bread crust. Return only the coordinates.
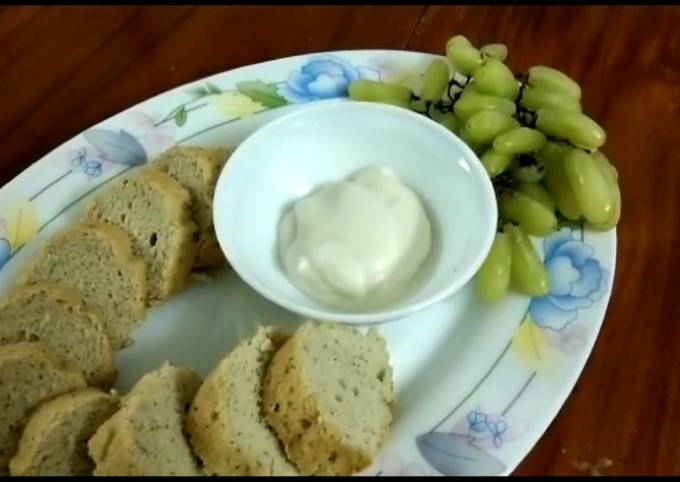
(96, 251)
(154, 210)
(311, 429)
(146, 436)
(54, 441)
(197, 170)
(225, 425)
(31, 373)
(58, 317)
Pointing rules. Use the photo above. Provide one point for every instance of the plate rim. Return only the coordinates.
(611, 243)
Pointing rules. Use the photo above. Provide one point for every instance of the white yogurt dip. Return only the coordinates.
(357, 242)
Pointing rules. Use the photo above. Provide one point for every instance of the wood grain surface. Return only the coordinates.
(63, 69)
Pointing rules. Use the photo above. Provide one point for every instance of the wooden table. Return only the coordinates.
(63, 69)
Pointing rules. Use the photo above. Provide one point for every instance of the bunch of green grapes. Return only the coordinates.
(541, 152)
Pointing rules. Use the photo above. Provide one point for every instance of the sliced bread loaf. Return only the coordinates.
(226, 427)
(30, 373)
(58, 317)
(197, 169)
(146, 436)
(155, 212)
(328, 394)
(97, 263)
(54, 441)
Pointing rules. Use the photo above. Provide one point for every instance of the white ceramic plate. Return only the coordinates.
(476, 385)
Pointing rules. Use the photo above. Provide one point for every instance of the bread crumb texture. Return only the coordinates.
(155, 211)
(146, 436)
(328, 394)
(54, 441)
(58, 317)
(30, 374)
(226, 426)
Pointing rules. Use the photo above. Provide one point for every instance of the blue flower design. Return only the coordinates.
(119, 147)
(577, 280)
(5, 251)
(481, 425)
(89, 165)
(323, 77)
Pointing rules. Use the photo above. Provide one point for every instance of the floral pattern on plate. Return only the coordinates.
(577, 281)
(18, 226)
(553, 335)
(323, 77)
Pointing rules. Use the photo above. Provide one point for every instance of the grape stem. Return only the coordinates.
(453, 82)
(528, 117)
(568, 144)
(525, 116)
(505, 182)
(426, 112)
(444, 107)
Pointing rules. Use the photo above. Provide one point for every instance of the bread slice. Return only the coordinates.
(146, 436)
(328, 394)
(225, 425)
(97, 263)
(155, 212)
(30, 373)
(54, 441)
(58, 317)
(197, 169)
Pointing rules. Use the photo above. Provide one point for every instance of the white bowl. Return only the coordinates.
(326, 142)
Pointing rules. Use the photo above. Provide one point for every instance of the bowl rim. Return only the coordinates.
(461, 278)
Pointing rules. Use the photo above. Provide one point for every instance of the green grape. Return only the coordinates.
(535, 99)
(527, 169)
(457, 39)
(495, 51)
(477, 147)
(493, 77)
(615, 173)
(608, 174)
(485, 125)
(470, 88)
(471, 102)
(526, 269)
(532, 216)
(613, 220)
(418, 105)
(607, 168)
(374, 91)
(464, 57)
(494, 162)
(450, 121)
(576, 127)
(589, 187)
(556, 182)
(552, 152)
(398, 103)
(553, 80)
(520, 140)
(435, 81)
(536, 192)
(493, 278)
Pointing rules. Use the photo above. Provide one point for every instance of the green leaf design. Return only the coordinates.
(181, 116)
(260, 92)
(213, 89)
(198, 92)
